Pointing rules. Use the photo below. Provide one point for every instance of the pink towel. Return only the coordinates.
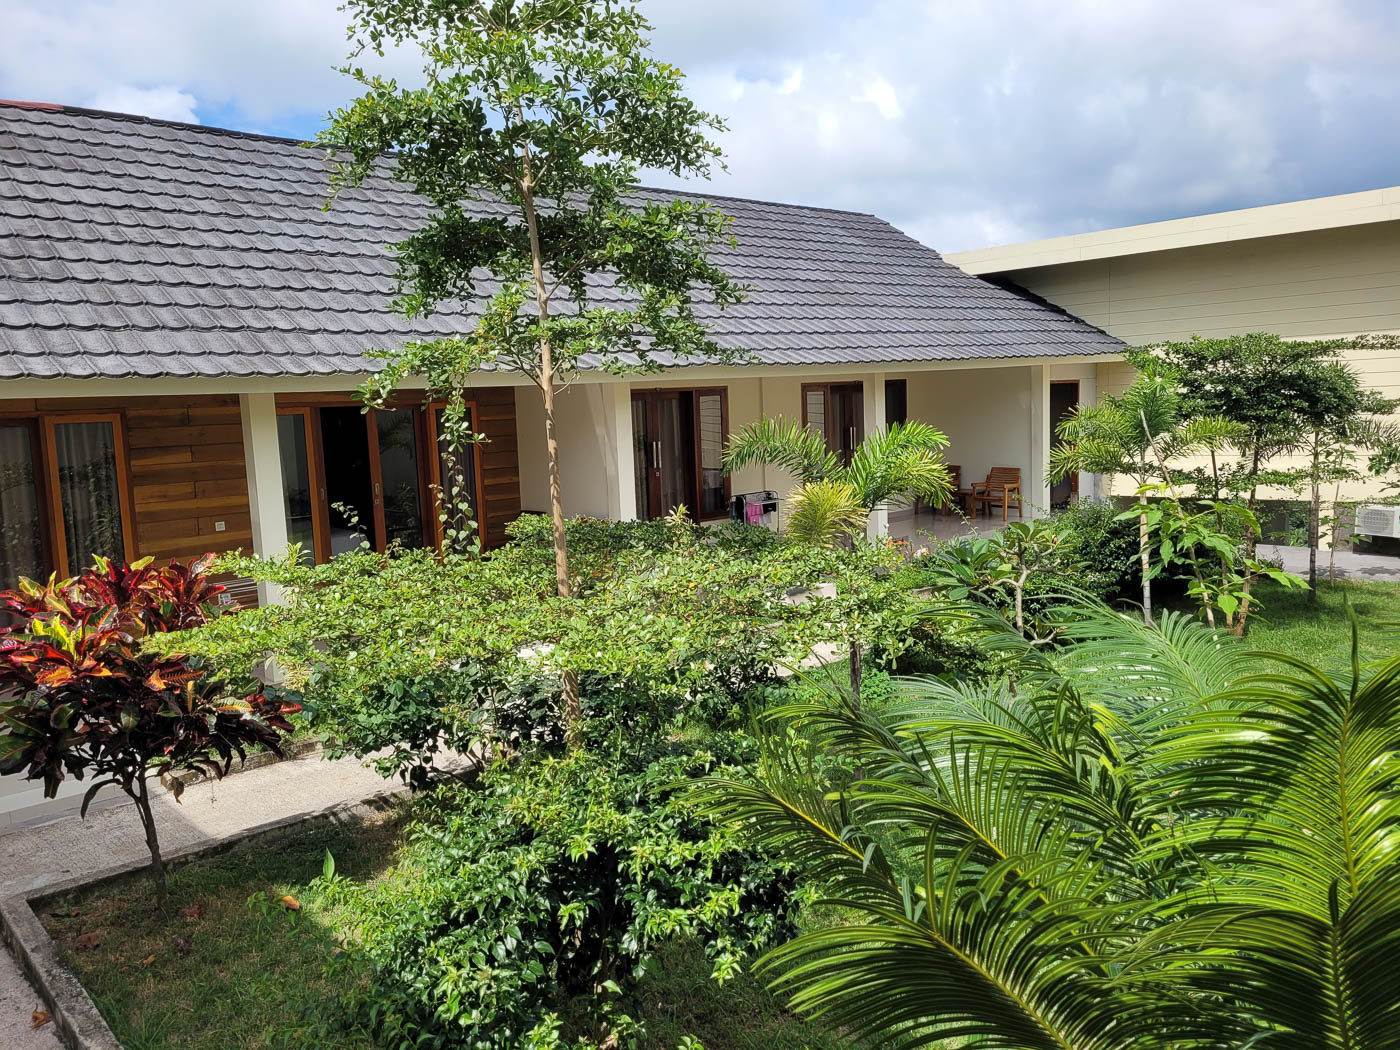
(753, 513)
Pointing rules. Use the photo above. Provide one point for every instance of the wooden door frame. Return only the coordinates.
(651, 398)
(696, 393)
(434, 468)
(855, 385)
(1074, 477)
(315, 470)
(117, 419)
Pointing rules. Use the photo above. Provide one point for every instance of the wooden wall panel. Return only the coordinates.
(500, 467)
(185, 468)
(187, 474)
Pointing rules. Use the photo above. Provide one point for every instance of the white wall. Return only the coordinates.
(986, 413)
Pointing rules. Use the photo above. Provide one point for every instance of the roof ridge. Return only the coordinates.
(211, 129)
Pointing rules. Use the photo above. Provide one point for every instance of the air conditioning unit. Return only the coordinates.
(1377, 519)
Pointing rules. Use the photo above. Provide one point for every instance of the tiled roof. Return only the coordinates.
(138, 247)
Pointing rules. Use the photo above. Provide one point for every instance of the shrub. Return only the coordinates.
(542, 894)
(78, 697)
(1103, 546)
(399, 655)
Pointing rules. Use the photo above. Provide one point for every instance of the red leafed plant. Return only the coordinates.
(79, 698)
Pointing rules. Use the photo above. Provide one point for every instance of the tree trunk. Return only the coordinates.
(1314, 527)
(1251, 542)
(141, 796)
(1143, 553)
(573, 711)
(856, 672)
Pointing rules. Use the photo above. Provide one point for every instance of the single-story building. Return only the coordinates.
(1312, 269)
(182, 328)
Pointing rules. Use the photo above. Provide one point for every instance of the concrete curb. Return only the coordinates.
(76, 1018)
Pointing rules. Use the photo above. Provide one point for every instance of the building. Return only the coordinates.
(182, 328)
(1309, 269)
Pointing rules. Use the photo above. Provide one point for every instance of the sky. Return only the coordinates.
(966, 123)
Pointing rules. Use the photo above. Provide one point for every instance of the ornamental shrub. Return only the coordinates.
(79, 697)
(542, 893)
(399, 655)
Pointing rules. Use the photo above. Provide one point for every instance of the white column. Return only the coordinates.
(873, 387)
(622, 502)
(1037, 492)
(266, 500)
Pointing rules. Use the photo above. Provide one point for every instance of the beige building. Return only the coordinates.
(1307, 270)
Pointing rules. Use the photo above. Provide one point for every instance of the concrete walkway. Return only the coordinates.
(1350, 566)
(47, 854)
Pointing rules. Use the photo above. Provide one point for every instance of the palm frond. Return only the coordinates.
(899, 465)
(824, 513)
(799, 450)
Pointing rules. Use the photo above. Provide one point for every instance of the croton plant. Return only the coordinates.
(79, 697)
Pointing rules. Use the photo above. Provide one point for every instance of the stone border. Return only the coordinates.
(76, 1019)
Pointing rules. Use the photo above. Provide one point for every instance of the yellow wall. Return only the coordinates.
(1310, 285)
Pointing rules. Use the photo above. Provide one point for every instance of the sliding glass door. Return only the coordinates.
(837, 412)
(678, 446)
(351, 478)
(22, 547)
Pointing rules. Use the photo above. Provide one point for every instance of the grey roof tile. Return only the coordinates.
(135, 247)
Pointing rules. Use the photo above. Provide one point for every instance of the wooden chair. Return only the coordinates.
(1003, 485)
(955, 495)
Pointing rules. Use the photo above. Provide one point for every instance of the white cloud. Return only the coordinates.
(167, 103)
(881, 93)
(964, 124)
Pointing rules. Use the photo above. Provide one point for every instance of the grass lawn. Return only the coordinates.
(1320, 632)
(232, 975)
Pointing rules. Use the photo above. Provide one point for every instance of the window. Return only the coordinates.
(455, 476)
(21, 513)
(896, 402)
(63, 494)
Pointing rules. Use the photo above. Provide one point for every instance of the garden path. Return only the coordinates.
(44, 855)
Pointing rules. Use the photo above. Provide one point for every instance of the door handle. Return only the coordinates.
(656, 454)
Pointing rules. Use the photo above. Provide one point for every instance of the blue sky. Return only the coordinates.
(964, 122)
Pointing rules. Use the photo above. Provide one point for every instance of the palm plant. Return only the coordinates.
(894, 466)
(1152, 838)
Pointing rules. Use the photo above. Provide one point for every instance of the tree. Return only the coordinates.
(1136, 435)
(79, 698)
(1160, 838)
(833, 498)
(1340, 418)
(1264, 383)
(526, 142)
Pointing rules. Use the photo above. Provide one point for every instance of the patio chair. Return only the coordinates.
(1003, 486)
(957, 495)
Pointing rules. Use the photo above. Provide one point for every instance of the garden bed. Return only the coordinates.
(234, 966)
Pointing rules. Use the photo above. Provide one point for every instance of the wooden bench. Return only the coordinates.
(1003, 485)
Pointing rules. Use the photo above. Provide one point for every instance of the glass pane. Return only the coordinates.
(641, 458)
(87, 485)
(709, 409)
(816, 412)
(398, 471)
(673, 455)
(896, 402)
(345, 447)
(458, 479)
(22, 549)
(296, 484)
